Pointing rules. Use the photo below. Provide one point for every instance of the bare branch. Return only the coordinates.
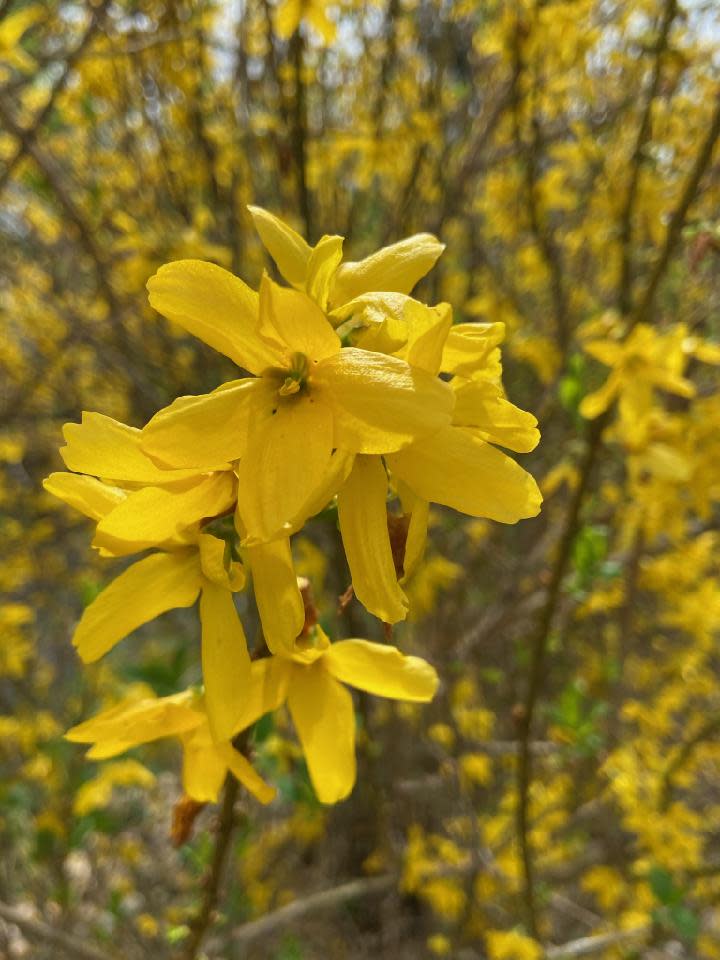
(324, 900)
(677, 221)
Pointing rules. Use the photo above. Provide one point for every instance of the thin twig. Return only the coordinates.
(538, 650)
(211, 896)
(315, 903)
(636, 161)
(539, 224)
(586, 946)
(677, 220)
(681, 757)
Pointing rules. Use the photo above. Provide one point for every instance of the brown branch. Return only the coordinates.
(684, 753)
(539, 225)
(677, 220)
(317, 902)
(38, 930)
(539, 640)
(586, 946)
(226, 825)
(636, 161)
(538, 649)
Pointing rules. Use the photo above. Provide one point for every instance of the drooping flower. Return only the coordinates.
(133, 514)
(206, 760)
(457, 466)
(311, 683)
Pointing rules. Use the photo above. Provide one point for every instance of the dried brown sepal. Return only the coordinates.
(184, 815)
(398, 527)
(311, 615)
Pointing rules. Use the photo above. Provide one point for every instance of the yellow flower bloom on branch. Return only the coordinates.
(319, 272)
(206, 761)
(311, 396)
(311, 683)
(456, 466)
(192, 564)
(645, 362)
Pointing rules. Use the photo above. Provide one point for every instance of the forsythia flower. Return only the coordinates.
(357, 392)
(311, 683)
(206, 761)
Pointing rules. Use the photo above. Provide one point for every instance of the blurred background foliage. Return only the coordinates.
(561, 797)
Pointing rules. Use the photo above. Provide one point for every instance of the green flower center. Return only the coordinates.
(296, 377)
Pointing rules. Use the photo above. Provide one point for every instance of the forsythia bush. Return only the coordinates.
(469, 736)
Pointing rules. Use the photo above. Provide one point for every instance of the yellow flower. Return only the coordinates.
(206, 761)
(192, 562)
(12, 29)
(456, 466)
(312, 403)
(318, 270)
(291, 12)
(512, 945)
(645, 361)
(95, 793)
(311, 682)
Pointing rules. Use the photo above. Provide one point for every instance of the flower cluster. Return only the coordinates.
(356, 393)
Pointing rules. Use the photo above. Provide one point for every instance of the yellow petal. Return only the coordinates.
(673, 383)
(285, 464)
(481, 404)
(456, 468)
(362, 512)
(146, 589)
(380, 403)
(383, 315)
(419, 511)
(428, 329)
(214, 563)
(336, 474)
(204, 431)
(204, 767)
(609, 352)
(320, 22)
(133, 721)
(287, 248)
(279, 602)
(593, 404)
(269, 680)
(90, 496)
(289, 13)
(322, 712)
(215, 306)
(298, 321)
(469, 347)
(395, 269)
(106, 448)
(324, 261)
(381, 670)
(243, 771)
(225, 660)
(153, 515)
